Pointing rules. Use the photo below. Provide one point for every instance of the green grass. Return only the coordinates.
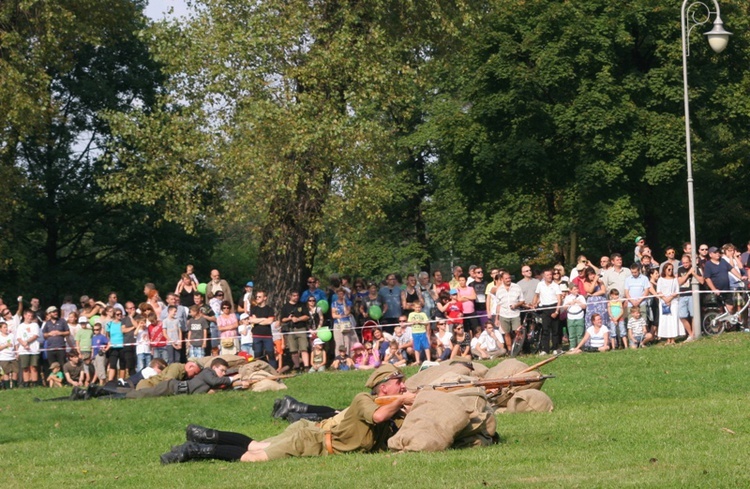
(659, 417)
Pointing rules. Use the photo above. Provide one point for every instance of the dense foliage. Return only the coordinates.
(359, 137)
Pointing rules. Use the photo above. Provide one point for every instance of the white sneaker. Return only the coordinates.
(542, 353)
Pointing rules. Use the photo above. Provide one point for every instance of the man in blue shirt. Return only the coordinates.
(390, 297)
(313, 290)
(635, 288)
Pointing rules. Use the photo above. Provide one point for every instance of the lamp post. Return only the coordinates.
(718, 38)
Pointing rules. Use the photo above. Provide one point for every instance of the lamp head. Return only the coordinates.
(718, 37)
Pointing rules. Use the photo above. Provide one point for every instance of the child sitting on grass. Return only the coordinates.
(342, 361)
(637, 332)
(55, 378)
(394, 355)
(318, 358)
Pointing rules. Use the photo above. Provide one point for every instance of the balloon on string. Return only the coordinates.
(375, 312)
(93, 320)
(323, 305)
(324, 333)
(202, 288)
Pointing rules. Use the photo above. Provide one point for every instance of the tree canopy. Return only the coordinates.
(362, 137)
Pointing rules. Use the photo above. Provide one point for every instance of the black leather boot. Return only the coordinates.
(188, 451)
(290, 405)
(199, 434)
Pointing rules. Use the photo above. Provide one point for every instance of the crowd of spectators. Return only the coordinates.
(420, 318)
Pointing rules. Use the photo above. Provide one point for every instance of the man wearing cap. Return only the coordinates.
(55, 331)
(294, 318)
(637, 252)
(364, 426)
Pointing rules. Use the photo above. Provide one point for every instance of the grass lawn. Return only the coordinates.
(658, 417)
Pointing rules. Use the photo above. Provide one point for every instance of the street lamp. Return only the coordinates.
(718, 38)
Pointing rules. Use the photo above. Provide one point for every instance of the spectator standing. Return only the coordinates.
(142, 343)
(219, 284)
(575, 306)
(685, 274)
(596, 302)
(27, 339)
(390, 297)
(294, 318)
(313, 291)
(548, 297)
(261, 319)
(668, 289)
(185, 290)
(55, 331)
(157, 337)
(84, 336)
(343, 324)
(228, 329)
(99, 344)
(509, 300)
(8, 358)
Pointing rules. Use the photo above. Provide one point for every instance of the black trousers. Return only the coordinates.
(550, 329)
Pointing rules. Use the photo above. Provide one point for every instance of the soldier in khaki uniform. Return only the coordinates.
(363, 427)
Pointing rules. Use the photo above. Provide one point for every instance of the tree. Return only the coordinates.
(561, 130)
(81, 58)
(287, 110)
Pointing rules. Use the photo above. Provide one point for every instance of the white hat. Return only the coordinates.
(83, 319)
(244, 315)
(318, 341)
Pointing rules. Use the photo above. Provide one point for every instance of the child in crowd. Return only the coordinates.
(55, 378)
(575, 305)
(215, 303)
(99, 342)
(246, 334)
(402, 335)
(278, 344)
(394, 355)
(616, 320)
(637, 332)
(87, 370)
(190, 270)
(318, 358)
(84, 336)
(363, 357)
(142, 343)
(198, 331)
(157, 337)
(174, 335)
(419, 322)
(342, 361)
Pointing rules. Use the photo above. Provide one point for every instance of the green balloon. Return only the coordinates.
(202, 288)
(93, 320)
(324, 333)
(375, 312)
(323, 305)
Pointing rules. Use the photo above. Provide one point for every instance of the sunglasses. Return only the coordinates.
(226, 307)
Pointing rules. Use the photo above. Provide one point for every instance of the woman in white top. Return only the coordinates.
(668, 291)
(444, 340)
(597, 337)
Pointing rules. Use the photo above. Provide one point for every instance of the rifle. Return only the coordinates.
(487, 384)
